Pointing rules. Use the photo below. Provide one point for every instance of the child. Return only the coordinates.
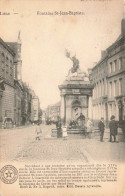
(38, 132)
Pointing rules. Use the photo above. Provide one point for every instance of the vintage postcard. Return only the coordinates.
(62, 97)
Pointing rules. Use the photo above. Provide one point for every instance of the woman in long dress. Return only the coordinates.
(89, 128)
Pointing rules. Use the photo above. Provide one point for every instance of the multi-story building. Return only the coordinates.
(26, 102)
(16, 47)
(16, 100)
(53, 111)
(108, 77)
(100, 91)
(6, 81)
(116, 76)
(43, 116)
(35, 108)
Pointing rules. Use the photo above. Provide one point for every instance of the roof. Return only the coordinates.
(118, 40)
(13, 46)
(4, 44)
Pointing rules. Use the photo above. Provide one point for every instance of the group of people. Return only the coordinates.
(113, 126)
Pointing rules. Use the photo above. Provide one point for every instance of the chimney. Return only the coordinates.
(123, 27)
(103, 53)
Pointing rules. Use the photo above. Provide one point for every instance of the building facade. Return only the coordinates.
(17, 102)
(15, 95)
(108, 78)
(35, 108)
(7, 81)
(52, 112)
(16, 47)
(100, 91)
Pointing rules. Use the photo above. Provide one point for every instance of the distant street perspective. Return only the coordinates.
(20, 144)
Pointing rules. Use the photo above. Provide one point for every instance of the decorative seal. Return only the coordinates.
(9, 174)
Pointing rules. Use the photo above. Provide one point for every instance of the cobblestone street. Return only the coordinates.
(20, 145)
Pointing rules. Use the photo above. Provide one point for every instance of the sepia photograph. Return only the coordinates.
(62, 97)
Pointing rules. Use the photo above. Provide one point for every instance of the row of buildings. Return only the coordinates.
(51, 113)
(107, 78)
(18, 102)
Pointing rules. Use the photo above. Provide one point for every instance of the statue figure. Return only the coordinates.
(75, 63)
(75, 70)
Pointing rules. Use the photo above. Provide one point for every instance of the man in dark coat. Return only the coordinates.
(101, 128)
(122, 126)
(59, 127)
(113, 125)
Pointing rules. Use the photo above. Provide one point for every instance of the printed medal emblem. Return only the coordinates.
(9, 174)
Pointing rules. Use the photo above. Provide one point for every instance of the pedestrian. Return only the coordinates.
(89, 128)
(113, 125)
(59, 127)
(14, 124)
(64, 132)
(38, 131)
(101, 127)
(122, 126)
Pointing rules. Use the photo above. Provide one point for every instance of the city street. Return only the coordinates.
(20, 144)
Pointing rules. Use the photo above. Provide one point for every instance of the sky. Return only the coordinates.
(45, 38)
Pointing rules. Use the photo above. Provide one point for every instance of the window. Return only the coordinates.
(106, 84)
(110, 67)
(2, 58)
(103, 87)
(120, 63)
(110, 89)
(110, 110)
(115, 65)
(7, 67)
(3, 64)
(100, 93)
(115, 88)
(97, 90)
(11, 69)
(120, 86)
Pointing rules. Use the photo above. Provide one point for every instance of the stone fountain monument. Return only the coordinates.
(76, 96)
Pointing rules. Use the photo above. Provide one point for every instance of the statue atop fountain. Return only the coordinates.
(75, 72)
